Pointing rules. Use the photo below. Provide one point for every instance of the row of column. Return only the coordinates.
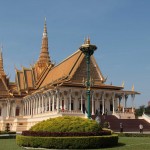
(50, 102)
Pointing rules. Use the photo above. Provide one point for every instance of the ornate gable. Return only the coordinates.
(72, 69)
(81, 73)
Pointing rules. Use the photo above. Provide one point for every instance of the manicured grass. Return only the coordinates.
(132, 143)
(125, 143)
(9, 144)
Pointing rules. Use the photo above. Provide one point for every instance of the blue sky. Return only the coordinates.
(119, 28)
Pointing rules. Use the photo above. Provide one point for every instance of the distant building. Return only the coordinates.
(46, 90)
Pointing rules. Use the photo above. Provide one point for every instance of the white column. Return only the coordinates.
(113, 99)
(65, 102)
(123, 97)
(133, 96)
(35, 105)
(27, 107)
(57, 101)
(76, 103)
(70, 100)
(53, 104)
(103, 107)
(39, 108)
(81, 101)
(119, 103)
(93, 103)
(126, 97)
(49, 103)
(42, 103)
(31, 106)
(46, 102)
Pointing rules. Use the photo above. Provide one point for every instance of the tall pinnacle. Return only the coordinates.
(1, 62)
(44, 54)
(45, 29)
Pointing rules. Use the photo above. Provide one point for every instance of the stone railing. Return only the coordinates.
(121, 115)
(116, 115)
(145, 117)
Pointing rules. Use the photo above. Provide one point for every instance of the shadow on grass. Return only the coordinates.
(120, 144)
(117, 146)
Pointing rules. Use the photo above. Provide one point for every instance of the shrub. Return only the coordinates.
(67, 124)
(67, 142)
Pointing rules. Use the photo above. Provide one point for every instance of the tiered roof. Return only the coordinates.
(71, 72)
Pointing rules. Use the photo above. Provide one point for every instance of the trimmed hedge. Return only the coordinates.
(133, 135)
(67, 124)
(4, 132)
(67, 142)
(64, 134)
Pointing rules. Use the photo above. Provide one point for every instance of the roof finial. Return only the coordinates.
(122, 84)
(132, 87)
(1, 57)
(45, 28)
(87, 40)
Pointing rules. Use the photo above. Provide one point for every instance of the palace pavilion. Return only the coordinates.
(47, 90)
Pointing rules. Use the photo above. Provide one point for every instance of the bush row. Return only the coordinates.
(4, 132)
(67, 142)
(8, 136)
(133, 135)
(64, 134)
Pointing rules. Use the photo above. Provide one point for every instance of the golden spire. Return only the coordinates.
(1, 62)
(132, 87)
(44, 54)
(44, 58)
(122, 84)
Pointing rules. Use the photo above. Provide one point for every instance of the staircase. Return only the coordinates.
(129, 125)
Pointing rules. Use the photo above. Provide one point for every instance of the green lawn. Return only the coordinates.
(125, 143)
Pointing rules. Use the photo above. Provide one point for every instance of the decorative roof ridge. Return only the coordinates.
(41, 78)
(67, 58)
(4, 83)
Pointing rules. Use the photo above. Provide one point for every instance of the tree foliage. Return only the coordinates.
(141, 109)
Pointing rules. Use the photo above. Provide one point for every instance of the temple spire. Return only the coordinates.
(44, 54)
(1, 62)
(44, 58)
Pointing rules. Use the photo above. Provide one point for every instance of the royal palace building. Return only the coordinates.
(46, 90)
